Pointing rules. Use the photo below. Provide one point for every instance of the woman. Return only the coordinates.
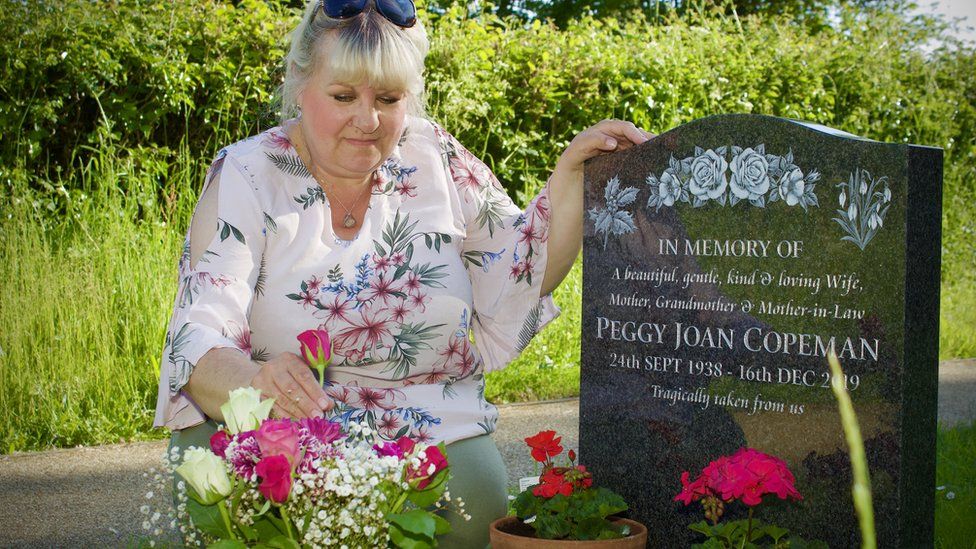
(360, 217)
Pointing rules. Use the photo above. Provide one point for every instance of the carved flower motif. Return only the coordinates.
(750, 175)
(792, 187)
(669, 188)
(708, 175)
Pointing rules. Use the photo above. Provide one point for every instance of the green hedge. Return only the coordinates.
(112, 110)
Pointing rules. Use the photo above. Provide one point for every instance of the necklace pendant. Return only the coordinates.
(349, 221)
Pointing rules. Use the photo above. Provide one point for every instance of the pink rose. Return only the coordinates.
(279, 437)
(275, 474)
(316, 349)
(433, 463)
(219, 442)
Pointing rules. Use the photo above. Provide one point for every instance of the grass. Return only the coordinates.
(955, 501)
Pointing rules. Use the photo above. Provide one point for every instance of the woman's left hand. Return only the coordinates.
(603, 137)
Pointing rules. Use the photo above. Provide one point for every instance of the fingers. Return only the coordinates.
(297, 394)
(603, 137)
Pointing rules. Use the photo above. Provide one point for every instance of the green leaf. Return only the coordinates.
(413, 529)
(237, 234)
(441, 525)
(207, 518)
(227, 544)
(283, 542)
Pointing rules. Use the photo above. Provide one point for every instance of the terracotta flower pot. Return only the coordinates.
(511, 533)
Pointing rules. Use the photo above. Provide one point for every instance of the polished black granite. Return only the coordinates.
(717, 267)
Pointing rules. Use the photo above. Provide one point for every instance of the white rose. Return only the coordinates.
(244, 410)
(206, 474)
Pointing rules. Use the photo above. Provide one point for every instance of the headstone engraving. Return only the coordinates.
(722, 260)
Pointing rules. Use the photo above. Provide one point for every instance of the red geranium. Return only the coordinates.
(545, 444)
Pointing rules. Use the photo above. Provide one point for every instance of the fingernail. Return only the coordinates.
(323, 403)
(611, 143)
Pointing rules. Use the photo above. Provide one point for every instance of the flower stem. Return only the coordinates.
(749, 530)
(287, 520)
(226, 516)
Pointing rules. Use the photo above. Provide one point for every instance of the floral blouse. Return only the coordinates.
(440, 285)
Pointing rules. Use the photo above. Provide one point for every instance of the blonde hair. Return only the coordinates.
(365, 48)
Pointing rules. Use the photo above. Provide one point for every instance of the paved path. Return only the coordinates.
(90, 497)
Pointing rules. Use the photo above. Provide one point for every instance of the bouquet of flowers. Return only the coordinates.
(306, 483)
(745, 476)
(564, 504)
(287, 483)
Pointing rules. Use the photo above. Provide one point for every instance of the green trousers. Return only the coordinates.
(478, 476)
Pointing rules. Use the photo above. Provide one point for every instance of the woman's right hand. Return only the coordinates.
(289, 380)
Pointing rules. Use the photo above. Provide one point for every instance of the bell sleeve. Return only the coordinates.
(505, 252)
(214, 296)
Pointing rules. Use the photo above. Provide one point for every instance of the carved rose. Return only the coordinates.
(750, 175)
(708, 175)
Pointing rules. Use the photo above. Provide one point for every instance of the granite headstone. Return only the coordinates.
(721, 261)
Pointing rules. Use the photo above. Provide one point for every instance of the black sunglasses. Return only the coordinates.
(401, 13)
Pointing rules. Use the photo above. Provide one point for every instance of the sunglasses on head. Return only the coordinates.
(401, 13)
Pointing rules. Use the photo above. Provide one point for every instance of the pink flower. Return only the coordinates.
(388, 449)
(406, 187)
(434, 462)
(528, 234)
(367, 332)
(372, 399)
(412, 283)
(389, 424)
(279, 437)
(540, 207)
(306, 299)
(381, 262)
(322, 429)
(381, 290)
(313, 284)
(275, 474)
(398, 258)
(399, 312)
(337, 309)
(419, 301)
(219, 442)
(746, 475)
(316, 349)
(339, 393)
(277, 140)
(465, 172)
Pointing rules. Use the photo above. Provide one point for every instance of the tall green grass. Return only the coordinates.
(88, 276)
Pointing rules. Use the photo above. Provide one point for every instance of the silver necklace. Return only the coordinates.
(348, 221)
